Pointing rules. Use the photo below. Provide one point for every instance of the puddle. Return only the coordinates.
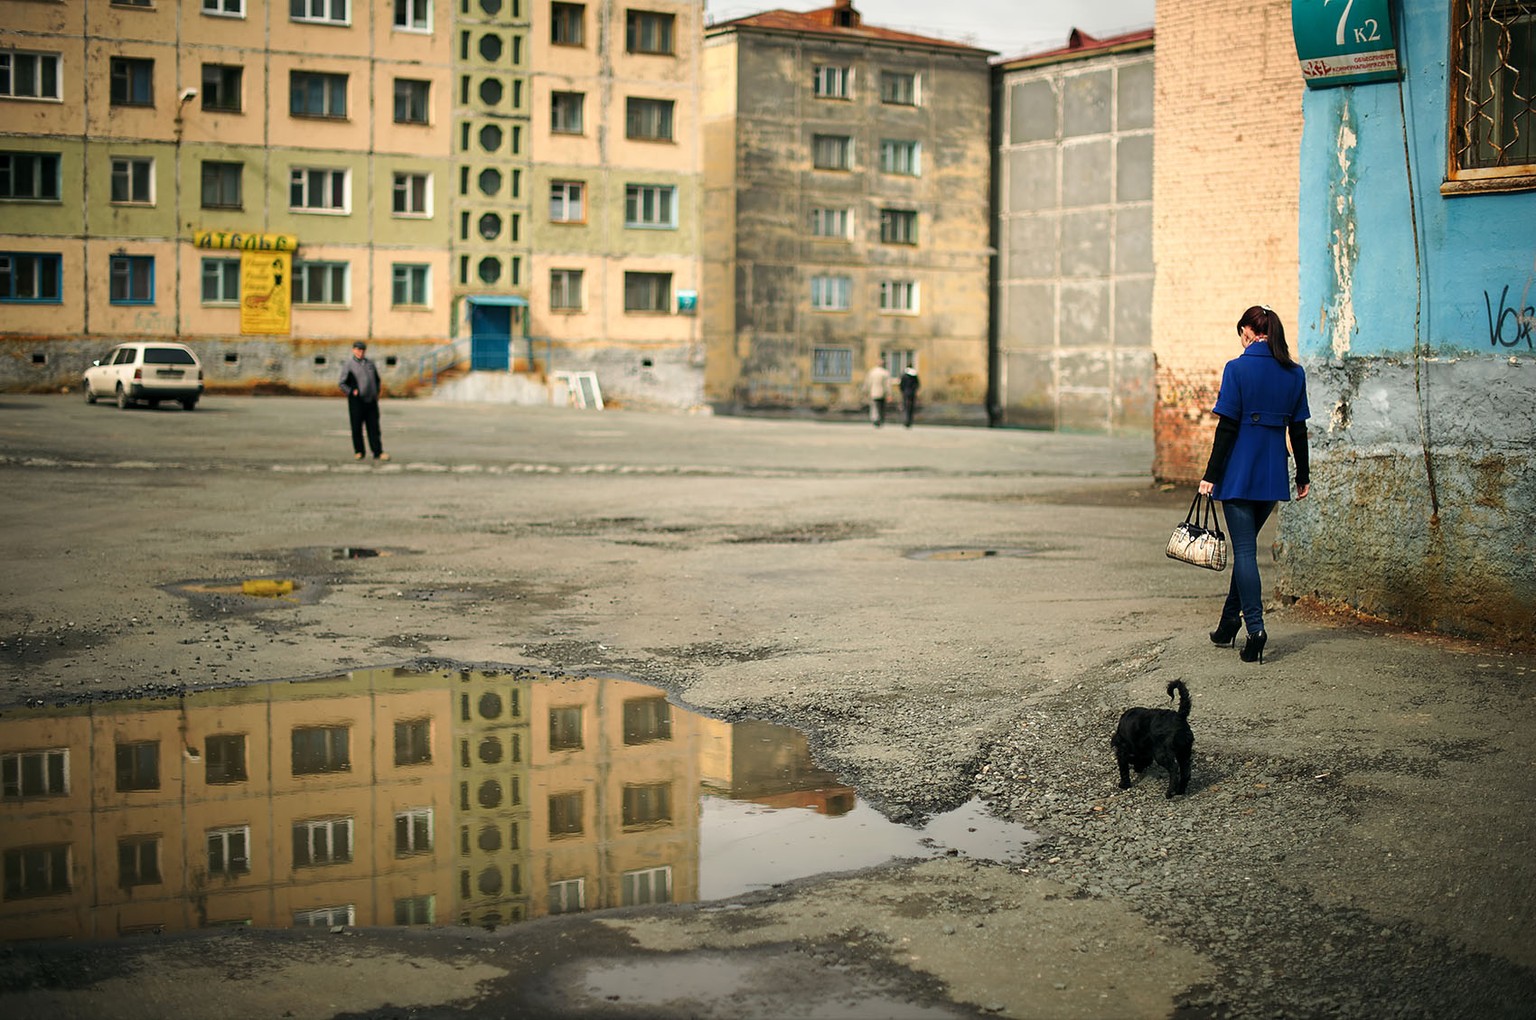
(352, 552)
(385, 797)
(256, 587)
(966, 554)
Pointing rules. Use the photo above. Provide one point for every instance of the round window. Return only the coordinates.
(490, 839)
(490, 750)
(490, 182)
(490, 138)
(489, 270)
(490, 47)
(490, 91)
(490, 794)
(490, 881)
(490, 705)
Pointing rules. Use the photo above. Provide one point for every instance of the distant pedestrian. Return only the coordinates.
(360, 382)
(1263, 398)
(878, 384)
(908, 386)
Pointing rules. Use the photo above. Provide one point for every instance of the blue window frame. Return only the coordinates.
(133, 280)
(31, 276)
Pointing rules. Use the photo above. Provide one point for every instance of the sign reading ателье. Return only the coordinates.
(243, 241)
(1344, 42)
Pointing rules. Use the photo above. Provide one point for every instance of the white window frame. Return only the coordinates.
(416, 279)
(419, 909)
(224, 274)
(135, 173)
(899, 297)
(413, 16)
(898, 226)
(562, 196)
(322, 851)
(838, 147)
(831, 293)
(224, 8)
(567, 290)
(38, 172)
(326, 186)
(411, 195)
(646, 886)
(326, 917)
(568, 896)
(321, 12)
(893, 96)
(415, 843)
(832, 81)
(232, 865)
(336, 275)
(832, 222)
(39, 60)
(901, 157)
(650, 206)
(13, 771)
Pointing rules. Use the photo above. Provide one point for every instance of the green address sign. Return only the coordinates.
(1343, 42)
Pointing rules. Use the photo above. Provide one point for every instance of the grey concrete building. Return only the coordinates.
(846, 197)
(1073, 188)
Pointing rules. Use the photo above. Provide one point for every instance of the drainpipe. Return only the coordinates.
(186, 96)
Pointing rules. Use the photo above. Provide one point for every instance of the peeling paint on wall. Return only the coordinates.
(1339, 306)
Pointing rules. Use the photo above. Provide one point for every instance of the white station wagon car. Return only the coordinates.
(147, 371)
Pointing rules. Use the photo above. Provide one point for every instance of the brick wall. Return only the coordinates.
(1227, 118)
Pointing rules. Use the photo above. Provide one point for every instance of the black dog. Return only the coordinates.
(1162, 735)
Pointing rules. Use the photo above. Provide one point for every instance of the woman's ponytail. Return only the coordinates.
(1263, 321)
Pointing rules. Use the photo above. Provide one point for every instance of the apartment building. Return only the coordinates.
(846, 198)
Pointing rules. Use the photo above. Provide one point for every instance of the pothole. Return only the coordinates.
(255, 587)
(409, 797)
(967, 554)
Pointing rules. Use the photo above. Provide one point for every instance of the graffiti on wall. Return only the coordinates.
(1510, 325)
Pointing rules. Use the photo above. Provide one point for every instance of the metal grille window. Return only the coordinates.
(133, 180)
(221, 184)
(832, 364)
(412, 194)
(647, 292)
(898, 226)
(648, 32)
(650, 205)
(831, 152)
(1493, 90)
(830, 293)
(222, 87)
(898, 88)
(832, 81)
(565, 290)
(131, 81)
(410, 287)
(413, 101)
(311, 94)
(26, 75)
(648, 119)
(565, 112)
(32, 176)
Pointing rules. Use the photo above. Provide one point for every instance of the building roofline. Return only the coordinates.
(824, 23)
(1081, 46)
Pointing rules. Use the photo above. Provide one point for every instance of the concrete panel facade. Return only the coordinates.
(1074, 267)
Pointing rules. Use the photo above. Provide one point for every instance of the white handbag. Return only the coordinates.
(1198, 538)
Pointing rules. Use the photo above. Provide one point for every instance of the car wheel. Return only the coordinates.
(189, 404)
(123, 401)
(90, 395)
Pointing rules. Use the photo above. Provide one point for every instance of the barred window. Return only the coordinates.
(1493, 94)
(832, 364)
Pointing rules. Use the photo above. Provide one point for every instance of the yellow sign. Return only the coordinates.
(266, 283)
(243, 242)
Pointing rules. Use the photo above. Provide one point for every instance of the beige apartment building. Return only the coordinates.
(846, 198)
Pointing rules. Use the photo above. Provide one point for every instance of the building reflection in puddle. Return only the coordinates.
(397, 797)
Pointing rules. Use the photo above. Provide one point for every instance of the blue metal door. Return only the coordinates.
(490, 337)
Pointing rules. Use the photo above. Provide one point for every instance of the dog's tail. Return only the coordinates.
(1178, 685)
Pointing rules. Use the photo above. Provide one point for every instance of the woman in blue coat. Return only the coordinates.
(1263, 399)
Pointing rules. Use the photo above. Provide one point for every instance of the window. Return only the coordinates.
(565, 814)
(413, 737)
(133, 180)
(897, 362)
(323, 283)
(650, 205)
(647, 292)
(898, 226)
(321, 841)
(899, 157)
(413, 15)
(225, 8)
(314, 189)
(566, 22)
(410, 287)
(221, 184)
(1493, 90)
(831, 152)
(313, 94)
(565, 729)
(898, 88)
(35, 773)
(412, 194)
(648, 119)
(565, 112)
(223, 87)
(26, 75)
(831, 81)
(332, 12)
(565, 202)
(830, 293)
(29, 176)
(131, 81)
(224, 754)
(229, 851)
(647, 32)
(319, 748)
(568, 897)
(36, 871)
(138, 861)
(646, 720)
(413, 101)
(648, 804)
(325, 917)
(647, 886)
(898, 296)
(138, 763)
(831, 222)
(565, 290)
(132, 283)
(416, 910)
(832, 364)
(30, 276)
(413, 832)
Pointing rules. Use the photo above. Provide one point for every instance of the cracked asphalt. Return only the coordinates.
(1356, 841)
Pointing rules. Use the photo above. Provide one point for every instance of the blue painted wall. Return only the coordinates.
(1420, 361)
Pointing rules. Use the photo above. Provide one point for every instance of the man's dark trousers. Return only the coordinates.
(364, 414)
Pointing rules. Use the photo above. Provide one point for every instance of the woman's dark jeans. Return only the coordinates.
(1246, 593)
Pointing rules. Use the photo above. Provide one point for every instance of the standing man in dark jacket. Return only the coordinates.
(360, 382)
(909, 393)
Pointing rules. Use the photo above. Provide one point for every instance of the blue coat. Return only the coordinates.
(1264, 398)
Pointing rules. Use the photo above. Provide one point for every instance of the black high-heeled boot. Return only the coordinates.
(1225, 634)
(1253, 648)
